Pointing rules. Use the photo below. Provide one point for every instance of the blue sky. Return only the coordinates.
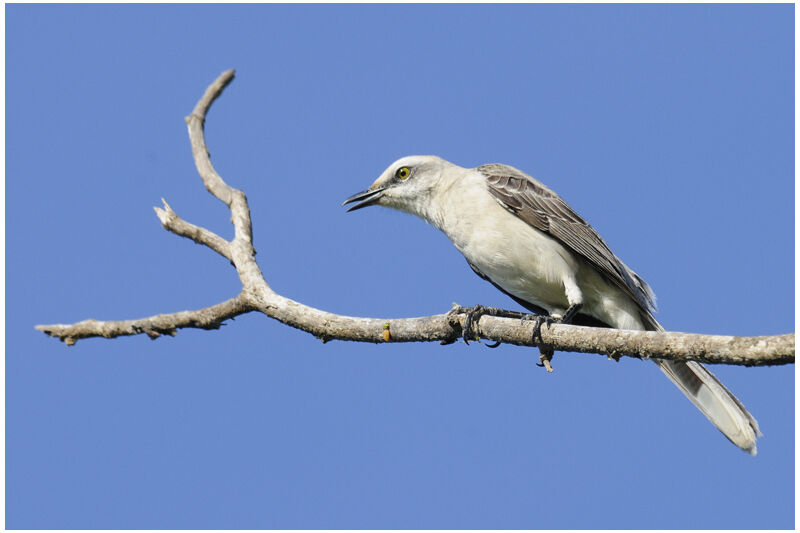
(669, 128)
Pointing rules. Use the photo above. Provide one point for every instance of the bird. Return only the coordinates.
(523, 238)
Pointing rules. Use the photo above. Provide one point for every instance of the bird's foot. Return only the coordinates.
(538, 320)
(545, 351)
(474, 314)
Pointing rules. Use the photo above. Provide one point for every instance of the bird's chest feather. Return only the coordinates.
(522, 260)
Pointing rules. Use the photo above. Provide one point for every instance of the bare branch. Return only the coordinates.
(257, 295)
(154, 326)
(242, 251)
(172, 222)
(196, 120)
(615, 343)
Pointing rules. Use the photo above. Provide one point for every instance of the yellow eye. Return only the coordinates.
(403, 173)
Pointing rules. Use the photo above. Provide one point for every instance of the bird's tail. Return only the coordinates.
(713, 399)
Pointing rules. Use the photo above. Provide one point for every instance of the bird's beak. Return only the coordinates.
(364, 198)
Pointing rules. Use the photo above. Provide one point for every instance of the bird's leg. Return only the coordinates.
(572, 310)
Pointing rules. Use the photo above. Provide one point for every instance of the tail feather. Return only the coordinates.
(715, 401)
(712, 398)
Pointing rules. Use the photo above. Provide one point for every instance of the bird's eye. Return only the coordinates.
(403, 173)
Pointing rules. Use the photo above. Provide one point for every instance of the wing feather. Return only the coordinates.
(544, 210)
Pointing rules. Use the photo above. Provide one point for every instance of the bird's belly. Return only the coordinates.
(523, 261)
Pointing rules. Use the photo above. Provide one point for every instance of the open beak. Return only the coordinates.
(364, 198)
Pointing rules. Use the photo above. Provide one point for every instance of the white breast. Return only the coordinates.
(519, 258)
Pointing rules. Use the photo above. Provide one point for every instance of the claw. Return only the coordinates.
(538, 320)
(474, 314)
(545, 351)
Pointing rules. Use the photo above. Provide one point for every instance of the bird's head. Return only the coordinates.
(406, 185)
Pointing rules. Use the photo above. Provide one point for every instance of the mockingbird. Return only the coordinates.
(523, 238)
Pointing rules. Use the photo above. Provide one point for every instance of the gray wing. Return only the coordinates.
(543, 209)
